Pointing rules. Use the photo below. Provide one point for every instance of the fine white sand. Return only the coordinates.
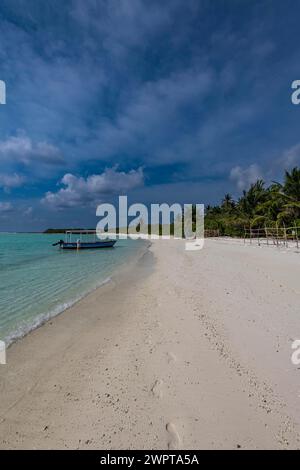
(192, 352)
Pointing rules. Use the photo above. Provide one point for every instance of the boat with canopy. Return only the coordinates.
(83, 240)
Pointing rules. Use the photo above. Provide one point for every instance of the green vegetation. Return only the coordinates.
(275, 206)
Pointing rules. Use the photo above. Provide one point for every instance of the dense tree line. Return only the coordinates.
(259, 206)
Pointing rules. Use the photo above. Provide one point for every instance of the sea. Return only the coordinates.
(39, 281)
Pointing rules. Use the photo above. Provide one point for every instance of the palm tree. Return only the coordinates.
(291, 185)
(251, 200)
(277, 205)
(290, 193)
(267, 212)
(228, 202)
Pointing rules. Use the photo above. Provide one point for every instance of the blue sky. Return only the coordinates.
(174, 101)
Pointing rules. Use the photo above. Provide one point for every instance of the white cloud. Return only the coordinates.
(8, 182)
(122, 24)
(154, 114)
(28, 211)
(22, 149)
(80, 192)
(243, 177)
(291, 156)
(5, 207)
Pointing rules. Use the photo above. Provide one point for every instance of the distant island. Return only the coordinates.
(62, 230)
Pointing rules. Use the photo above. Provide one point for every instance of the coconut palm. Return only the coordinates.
(252, 199)
(228, 202)
(277, 205)
(290, 193)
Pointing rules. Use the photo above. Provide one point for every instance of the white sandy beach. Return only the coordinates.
(193, 352)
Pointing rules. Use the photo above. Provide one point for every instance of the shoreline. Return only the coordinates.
(188, 350)
(25, 329)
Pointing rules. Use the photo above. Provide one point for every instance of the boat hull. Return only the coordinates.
(88, 246)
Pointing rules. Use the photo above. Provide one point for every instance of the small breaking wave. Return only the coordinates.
(26, 327)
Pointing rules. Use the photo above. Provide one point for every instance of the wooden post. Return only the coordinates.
(285, 235)
(266, 233)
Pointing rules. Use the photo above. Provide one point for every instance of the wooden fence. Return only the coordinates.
(211, 233)
(279, 236)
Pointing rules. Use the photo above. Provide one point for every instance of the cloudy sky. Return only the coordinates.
(173, 101)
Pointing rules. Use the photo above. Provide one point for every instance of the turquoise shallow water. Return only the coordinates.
(38, 281)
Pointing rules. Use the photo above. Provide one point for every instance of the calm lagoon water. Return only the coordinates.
(38, 281)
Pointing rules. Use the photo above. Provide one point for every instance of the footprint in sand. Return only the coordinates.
(171, 357)
(157, 389)
(174, 439)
